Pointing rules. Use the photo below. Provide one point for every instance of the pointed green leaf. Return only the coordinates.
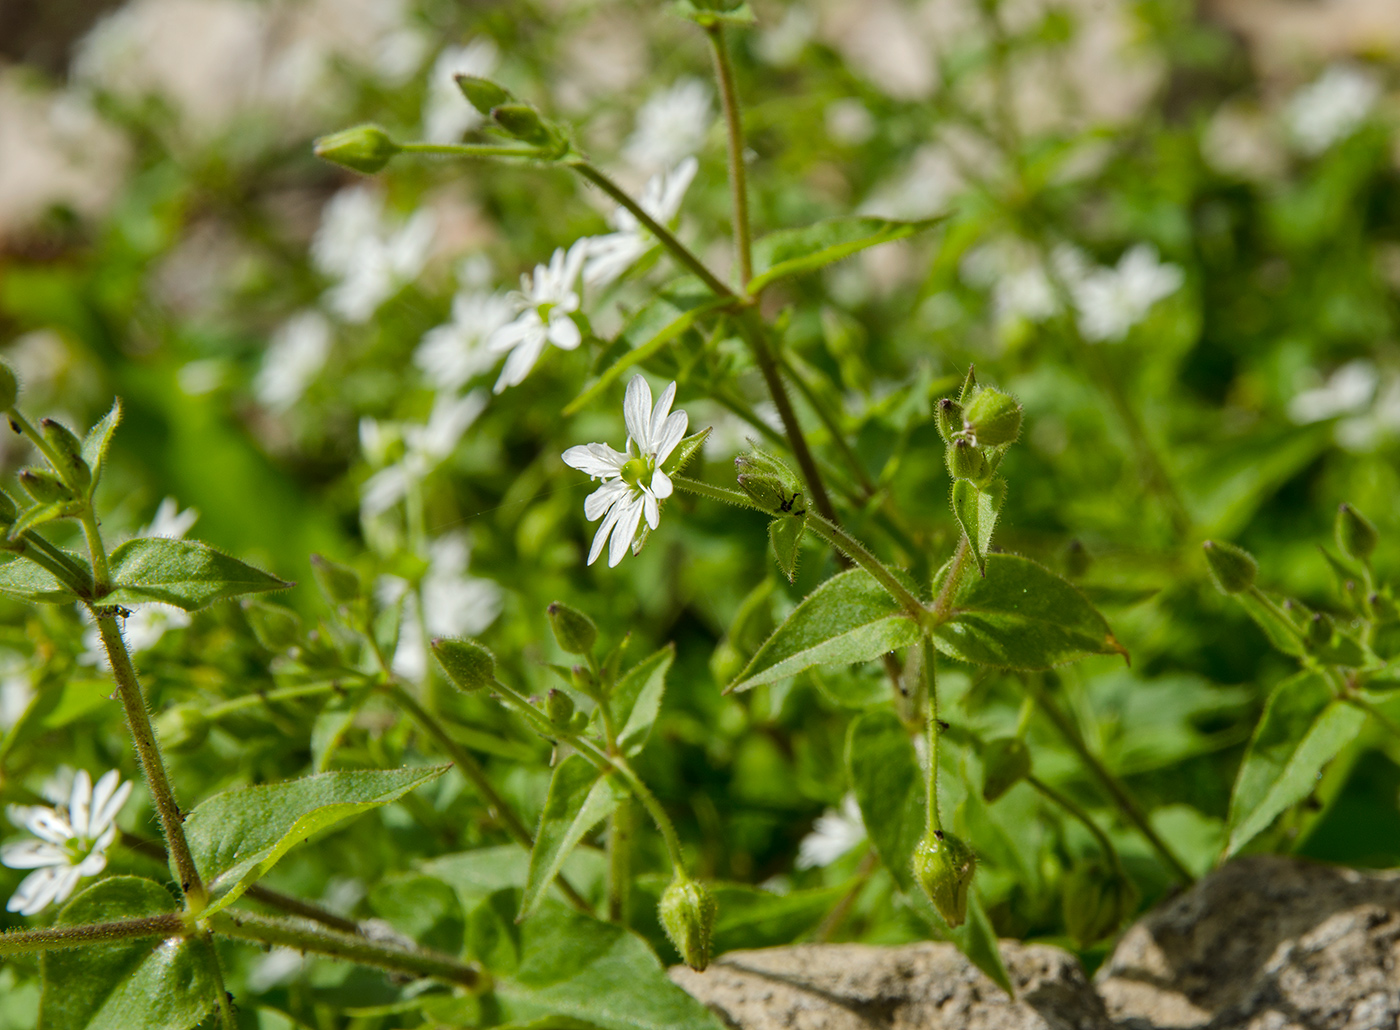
(1273, 619)
(138, 984)
(185, 573)
(849, 618)
(1302, 729)
(786, 537)
(1020, 615)
(579, 798)
(237, 836)
(25, 581)
(98, 439)
(636, 699)
(977, 514)
(790, 252)
(39, 515)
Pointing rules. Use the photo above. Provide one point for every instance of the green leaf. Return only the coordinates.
(1273, 620)
(790, 252)
(666, 317)
(237, 836)
(421, 907)
(1020, 615)
(1302, 729)
(977, 514)
(685, 450)
(98, 439)
(636, 700)
(849, 618)
(750, 917)
(786, 537)
(184, 573)
(25, 581)
(579, 798)
(141, 984)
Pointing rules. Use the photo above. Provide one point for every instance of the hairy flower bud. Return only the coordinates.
(1232, 568)
(364, 148)
(950, 419)
(182, 728)
(9, 387)
(44, 486)
(1319, 630)
(993, 417)
(559, 707)
(966, 460)
(69, 451)
(1097, 899)
(524, 123)
(482, 94)
(687, 912)
(467, 664)
(1356, 537)
(944, 867)
(770, 484)
(340, 583)
(575, 632)
(277, 628)
(1007, 762)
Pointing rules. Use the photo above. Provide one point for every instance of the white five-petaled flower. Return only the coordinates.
(611, 255)
(453, 353)
(633, 481)
(71, 841)
(543, 305)
(297, 353)
(834, 833)
(671, 125)
(1332, 108)
(368, 256)
(425, 448)
(1110, 301)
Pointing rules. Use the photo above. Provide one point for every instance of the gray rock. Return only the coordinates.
(916, 987)
(1263, 943)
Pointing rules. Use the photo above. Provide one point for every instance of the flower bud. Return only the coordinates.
(575, 632)
(467, 664)
(182, 728)
(365, 148)
(559, 707)
(1232, 568)
(1007, 762)
(966, 460)
(993, 417)
(1383, 607)
(9, 387)
(482, 94)
(44, 486)
(277, 628)
(1356, 537)
(340, 583)
(1097, 899)
(69, 451)
(1077, 559)
(687, 911)
(950, 419)
(523, 122)
(944, 866)
(1319, 630)
(771, 484)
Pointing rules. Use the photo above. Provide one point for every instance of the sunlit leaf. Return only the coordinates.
(636, 700)
(185, 573)
(98, 439)
(579, 798)
(977, 510)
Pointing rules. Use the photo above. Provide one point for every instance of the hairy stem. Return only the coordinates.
(139, 720)
(943, 603)
(294, 906)
(101, 575)
(470, 150)
(223, 1000)
(738, 183)
(935, 819)
(620, 863)
(858, 553)
(1074, 809)
(168, 924)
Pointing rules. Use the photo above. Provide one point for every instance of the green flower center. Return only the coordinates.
(635, 471)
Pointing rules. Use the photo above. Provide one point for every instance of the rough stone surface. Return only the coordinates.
(916, 987)
(1264, 943)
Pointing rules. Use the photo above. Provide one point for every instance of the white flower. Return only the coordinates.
(16, 692)
(357, 246)
(298, 352)
(1111, 301)
(543, 305)
(783, 44)
(454, 604)
(169, 522)
(833, 834)
(633, 481)
(446, 113)
(1019, 284)
(671, 125)
(452, 354)
(611, 255)
(1349, 389)
(1332, 108)
(71, 841)
(425, 448)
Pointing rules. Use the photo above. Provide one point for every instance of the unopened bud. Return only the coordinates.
(8, 510)
(523, 122)
(687, 912)
(575, 632)
(950, 419)
(993, 417)
(1319, 630)
(277, 628)
(966, 460)
(365, 148)
(1356, 537)
(1232, 568)
(1007, 762)
(182, 728)
(467, 664)
(1077, 559)
(944, 867)
(44, 486)
(9, 387)
(340, 583)
(770, 483)
(68, 449)
(1097, 899)
(482, 94)
(559, 707)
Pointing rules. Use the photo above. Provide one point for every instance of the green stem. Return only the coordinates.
(1073, 808)
(1366, 706)
(223, 1000)
(169, 924)
(1110, 782)
(470, 150)
(21, 423)
(714, 493)
(139, 721)
(868, 864)
(260, 698)
(858, 553)
(935, 819)
(1277, 612)
(838, 437)
(620, 863)
(101, 575)
(738, 184)
(350, 947)
(651, 804)
(297, 907)
(943, 603)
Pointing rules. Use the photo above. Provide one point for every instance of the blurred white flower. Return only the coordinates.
(611, 255)
(848, 121)
(278, 966)
(16, 691)
(543, 305)
(71, 841)
(1020, 286)
(834, 833)
(296, 355)
(453, 353)
(169, 522)
(446, 113)
(1349, 389)
(633, 481)
(783, 44)
(1110, 301)
(671, 125)
(454, 604)
(425, 448)
(1239, 141)
(1332, 108)
(1366, 431)
(357, 246)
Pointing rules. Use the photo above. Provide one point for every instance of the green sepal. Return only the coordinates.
(786, 537)
(685, 451)
(98, 439)
(968, 387)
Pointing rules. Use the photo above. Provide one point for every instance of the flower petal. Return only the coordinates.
(595, 459)
(35, 892)
(603, 498)
(661, 486)
(32, 854)
(659, 413)
(67, 880)
(48, 825)
(650, 509)
(521, 360)
(672, 432)
(563, 332)
(80, 803)
(636, 412)
(626, 529)
(604, 531)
